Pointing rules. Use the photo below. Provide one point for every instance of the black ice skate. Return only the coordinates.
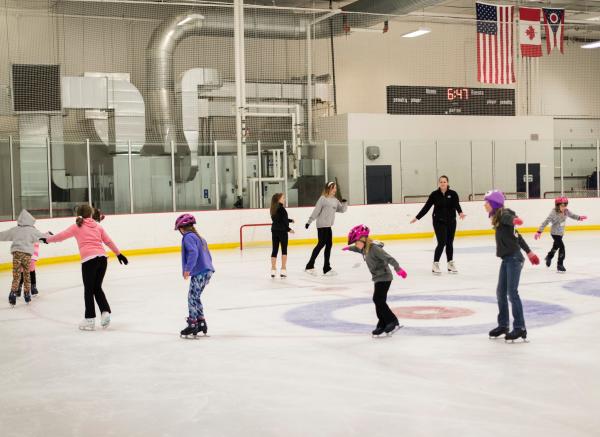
(34, 290)
(497, 332)
(12, 298)
(202, 326)
(379, 329)
(192, 329)
(392, 327)
(27, 296)
(18, 292)
(560, 268)
(548, 260)
(515, 334)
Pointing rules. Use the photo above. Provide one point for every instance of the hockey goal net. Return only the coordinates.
(255, 235)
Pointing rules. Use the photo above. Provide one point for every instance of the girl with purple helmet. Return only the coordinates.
(377, 261)
(197, 266)
(508, 247)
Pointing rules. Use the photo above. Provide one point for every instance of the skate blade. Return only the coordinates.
(193, 337)
(452, 273)
(523, 340)
(397, 328)
(496, 338)
(436, 273)
(86, 329)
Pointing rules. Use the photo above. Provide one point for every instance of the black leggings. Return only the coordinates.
(558, 245)
(93, 274)
(385, 315)
(279, 238)
(444, 233)
(325, 241)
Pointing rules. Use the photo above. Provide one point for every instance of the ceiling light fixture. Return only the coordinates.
(591, 45)
(415, 33)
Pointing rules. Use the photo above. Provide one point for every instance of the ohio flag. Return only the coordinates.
(530, 36)
(554, 22)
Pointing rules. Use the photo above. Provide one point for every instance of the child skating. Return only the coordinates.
(558, 217)
(23, 237)
(91, 238)
(197, 266)
(279, 233)
(324, 214)
(508, 247)
(377, 261)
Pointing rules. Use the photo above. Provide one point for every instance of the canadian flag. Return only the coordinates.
(530, 35)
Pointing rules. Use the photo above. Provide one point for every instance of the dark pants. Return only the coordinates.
(93, 272)
(325, 241)
(279, 238)
(385, 315)
(508, 284)
(32, 279)
(444, 233)
(560, 246)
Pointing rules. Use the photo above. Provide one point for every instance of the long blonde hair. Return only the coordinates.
(368, 243)
(496, 217)
(192, 228)
(327, 189)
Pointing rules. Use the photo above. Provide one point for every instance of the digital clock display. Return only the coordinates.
(426, 100)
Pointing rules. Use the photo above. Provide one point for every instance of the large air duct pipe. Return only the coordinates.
(164, 125)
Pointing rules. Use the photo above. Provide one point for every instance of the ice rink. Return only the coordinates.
(294, 357)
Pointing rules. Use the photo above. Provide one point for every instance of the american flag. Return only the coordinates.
(495, 44)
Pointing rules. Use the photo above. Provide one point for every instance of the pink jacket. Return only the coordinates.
(89, 236)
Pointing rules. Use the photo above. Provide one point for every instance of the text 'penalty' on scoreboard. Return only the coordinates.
(427, 100)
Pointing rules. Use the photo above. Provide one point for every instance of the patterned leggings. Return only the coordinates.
(21, 263)
(197, 284)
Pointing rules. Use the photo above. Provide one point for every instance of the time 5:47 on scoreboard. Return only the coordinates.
(428, 100)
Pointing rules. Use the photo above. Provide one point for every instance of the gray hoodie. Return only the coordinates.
(558, 220)
(325, 209)
(24, 235)
(377, 261)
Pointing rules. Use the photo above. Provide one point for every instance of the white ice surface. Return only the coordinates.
(260, 375)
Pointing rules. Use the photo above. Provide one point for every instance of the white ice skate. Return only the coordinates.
(330, 273)
(311, 272)
(105, 321)
(452, 267)
(87, 324)
(435, 268)
(283, 273)
(273, 273)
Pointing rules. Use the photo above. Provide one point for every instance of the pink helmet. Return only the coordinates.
(357, 232)
(184, 220)
(561, 200)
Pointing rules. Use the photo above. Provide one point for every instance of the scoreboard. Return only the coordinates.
(431, 100)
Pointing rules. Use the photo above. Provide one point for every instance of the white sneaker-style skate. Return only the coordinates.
(330, 273)
(105, 321)
(273, 273)
(311, 272)
(435, 268)
(452, 267)
(87, 324)
(283, 273)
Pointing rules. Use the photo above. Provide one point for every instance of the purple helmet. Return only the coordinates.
(495, 198)
(357, 232)
(184, 220)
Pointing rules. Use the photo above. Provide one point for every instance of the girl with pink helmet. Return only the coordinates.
(377, 261)
(197, 266)
(509, 244)
(557, 218)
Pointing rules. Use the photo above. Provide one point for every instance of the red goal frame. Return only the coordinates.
(249, 225)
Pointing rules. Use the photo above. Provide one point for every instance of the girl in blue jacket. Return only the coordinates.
(197, 265)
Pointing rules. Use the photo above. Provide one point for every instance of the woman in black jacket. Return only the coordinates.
(445, 204)
(279, 233)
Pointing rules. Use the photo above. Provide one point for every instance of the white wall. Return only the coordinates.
(409, 144)
(142, 231)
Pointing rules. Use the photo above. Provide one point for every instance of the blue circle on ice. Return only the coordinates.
(320, 315)
(587, 287)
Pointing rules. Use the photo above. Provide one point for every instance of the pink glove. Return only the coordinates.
(533, 258)
(582, 218)
(537, 235)
(517, 221)
(401, 272)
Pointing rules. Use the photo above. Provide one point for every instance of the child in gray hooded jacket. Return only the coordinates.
(23, 237)
(558, 217)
